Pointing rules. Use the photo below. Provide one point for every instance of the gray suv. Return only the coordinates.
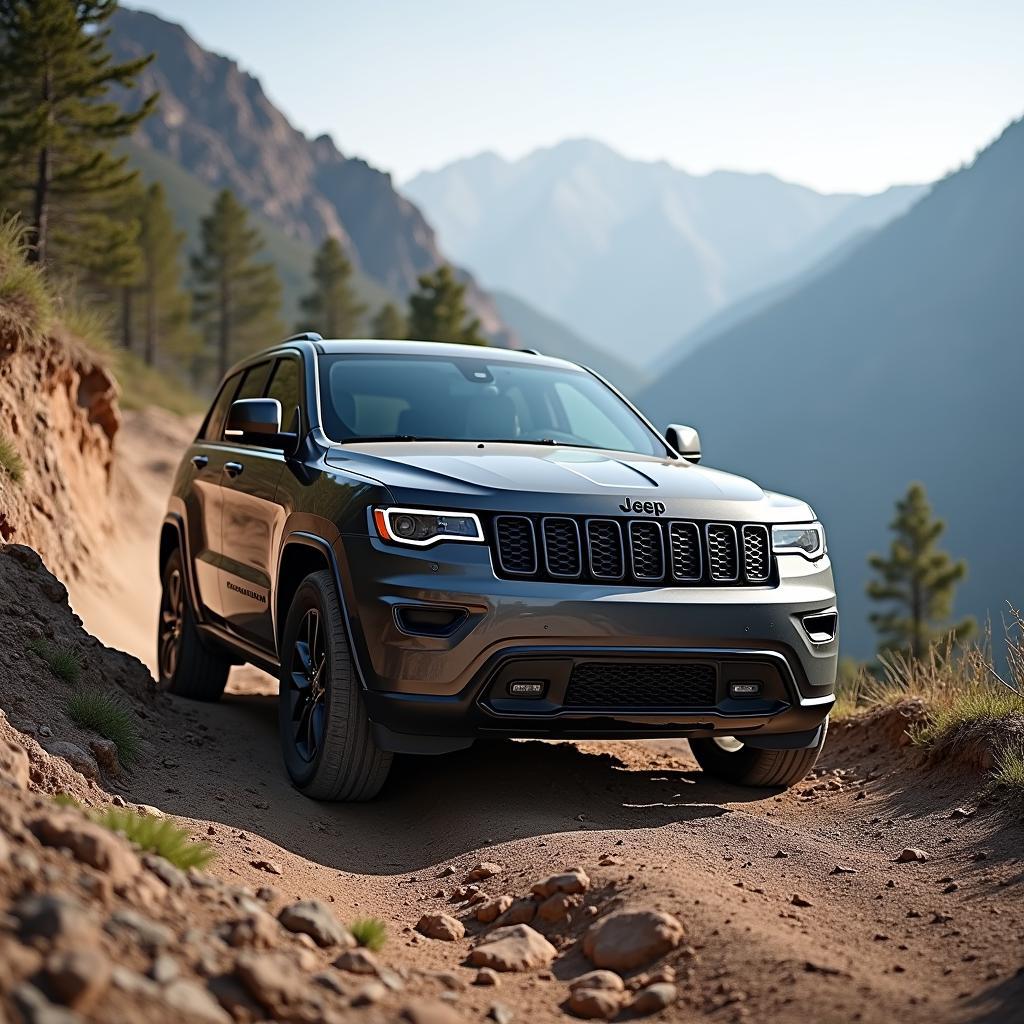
(431, 544)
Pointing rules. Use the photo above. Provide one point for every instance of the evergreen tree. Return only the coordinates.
(164, 304)
(332, 308)
(388, 323)
(917, 580)
(437, 312)
(235, 298)
(56, 127)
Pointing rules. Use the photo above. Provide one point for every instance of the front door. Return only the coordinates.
(252, 519)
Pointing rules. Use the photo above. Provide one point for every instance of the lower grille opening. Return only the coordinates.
(418, 621)
(616, 684)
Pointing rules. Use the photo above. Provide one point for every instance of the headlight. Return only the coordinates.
(807, 539)
(420, 528)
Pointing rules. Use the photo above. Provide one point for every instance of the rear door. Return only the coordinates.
(203, 506)
(252, 518)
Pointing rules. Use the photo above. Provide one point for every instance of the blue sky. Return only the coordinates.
(839, 96)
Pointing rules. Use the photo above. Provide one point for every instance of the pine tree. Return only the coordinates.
(164, 304)
(388, 323)
(332, 307)
(235, 298)
(917, 580)
(437, 312)
(56, 127)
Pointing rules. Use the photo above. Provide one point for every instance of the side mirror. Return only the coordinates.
(685, 440)
(257, 421)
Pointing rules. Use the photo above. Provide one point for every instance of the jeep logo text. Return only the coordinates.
(649, 508)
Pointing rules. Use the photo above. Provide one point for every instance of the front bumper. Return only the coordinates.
(455, 687)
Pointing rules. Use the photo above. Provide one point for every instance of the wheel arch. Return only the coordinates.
(173, 537)
(301, 554)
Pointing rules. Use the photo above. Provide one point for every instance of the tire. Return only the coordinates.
(326, 738)
(750, 766)
(187, 667)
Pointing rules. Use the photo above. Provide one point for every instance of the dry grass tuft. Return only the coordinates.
(25, 306)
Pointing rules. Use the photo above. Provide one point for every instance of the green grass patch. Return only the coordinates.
(11, 461)
(25, 305)
(65, 800)
(62, 659)
(370, 932)
(1009, 770)
(110, 718)
(162, 836)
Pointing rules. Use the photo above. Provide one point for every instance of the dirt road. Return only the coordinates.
(794, 905)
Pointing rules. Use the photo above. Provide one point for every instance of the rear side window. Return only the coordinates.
(284, 386)
(213, 427)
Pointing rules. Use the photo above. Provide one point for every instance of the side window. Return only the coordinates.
(213, 427)
(284, 386)
(254, 382)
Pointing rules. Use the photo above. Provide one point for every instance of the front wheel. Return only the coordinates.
(186, 665)
(326, 738)
(730, 760)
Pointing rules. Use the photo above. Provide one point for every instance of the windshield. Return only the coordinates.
(412, 397)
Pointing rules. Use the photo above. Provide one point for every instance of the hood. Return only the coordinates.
(537, 478)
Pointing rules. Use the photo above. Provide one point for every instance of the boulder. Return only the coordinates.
(489, 912)
(90, 843)
(570, 882)
(654, 998)
(75, 756)
(78, 977)
(522, 911)
(595, 1003)
(598, 979)
(516, 947)
(627, 939)
(440, 926)
(313, 918)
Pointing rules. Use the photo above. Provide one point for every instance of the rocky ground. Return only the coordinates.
(506, 876)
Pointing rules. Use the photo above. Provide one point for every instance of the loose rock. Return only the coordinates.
(358, 961)
(440, 926)
(14, 764)
(595, 1003)
(522, 911)
(631, 938)
(490, 911)
(570, 882)
(608, 980)
(911, 855)
(513, 948)
(485, 869)
(487, 976)
(313, 918)
(90, 843)
(654, 998)
(78, 978)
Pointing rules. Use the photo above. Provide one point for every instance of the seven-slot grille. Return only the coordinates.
(637, 552)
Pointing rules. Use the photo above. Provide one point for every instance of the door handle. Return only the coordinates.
(233, 468)
(200, 461)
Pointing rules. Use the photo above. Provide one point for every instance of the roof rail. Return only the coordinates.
(532, 351)
(305, 336)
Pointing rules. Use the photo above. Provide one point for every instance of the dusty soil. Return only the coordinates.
(794, 906)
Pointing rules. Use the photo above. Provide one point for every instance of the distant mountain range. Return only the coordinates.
(634, 255)
(901, 359)
(215, 123)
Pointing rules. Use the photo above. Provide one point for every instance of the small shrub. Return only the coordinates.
(62, 659)
(11, 461)
(65, 800)
(370, 932)
(162, 836)
(110, 718)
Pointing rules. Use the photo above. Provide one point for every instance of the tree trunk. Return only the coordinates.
(151, 322)
(224, 339)
(39, 230)
(126, 317)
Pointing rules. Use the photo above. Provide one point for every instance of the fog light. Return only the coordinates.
(744, 690)
(529, 688)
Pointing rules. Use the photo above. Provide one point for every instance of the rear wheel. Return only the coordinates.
(186, 665)
(729, 759)
(326, 737)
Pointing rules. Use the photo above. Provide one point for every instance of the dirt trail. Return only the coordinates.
(866, 939)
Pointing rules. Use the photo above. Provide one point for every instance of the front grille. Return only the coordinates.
(562, 554)
(635, 552)
(723, 556)
(757, 559)
(615, 684)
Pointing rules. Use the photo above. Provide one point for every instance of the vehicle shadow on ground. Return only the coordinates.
(432, 809)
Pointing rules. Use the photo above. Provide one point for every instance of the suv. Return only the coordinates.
(430, 544)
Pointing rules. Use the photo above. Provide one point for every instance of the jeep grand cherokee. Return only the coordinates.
(429, 544)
